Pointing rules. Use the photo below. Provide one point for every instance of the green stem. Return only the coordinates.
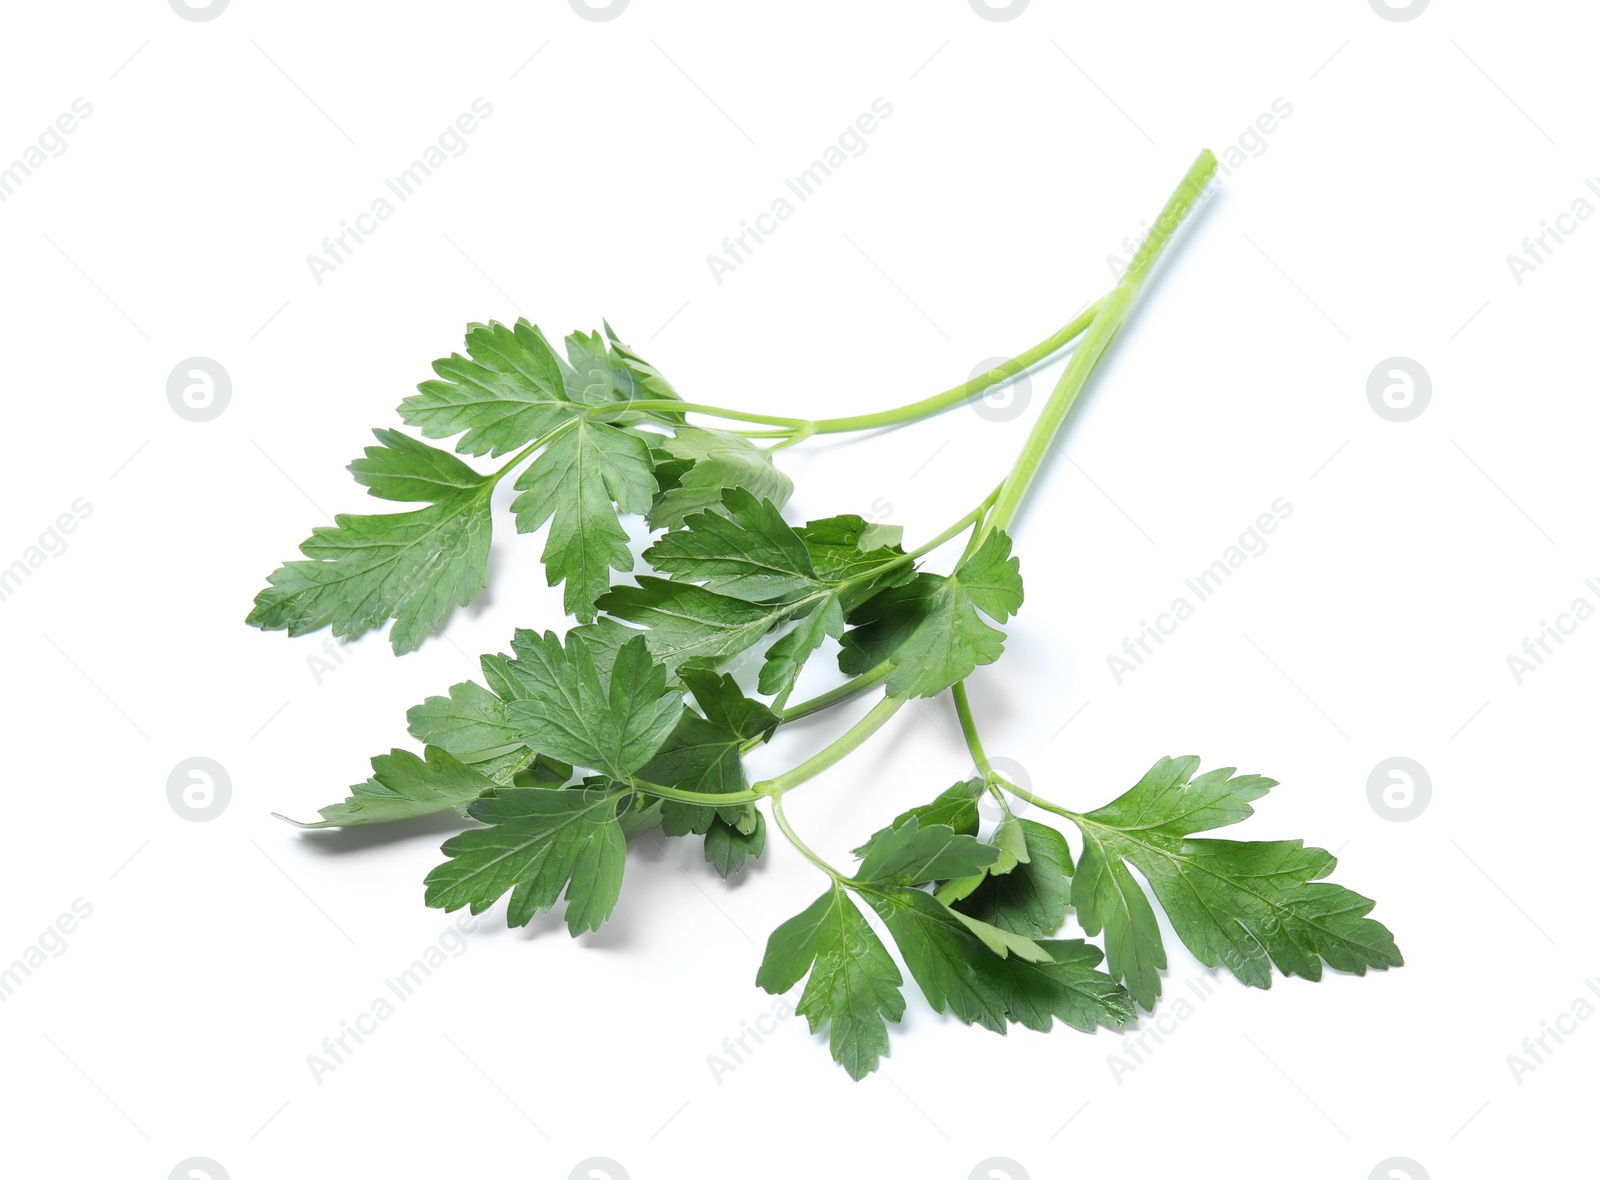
(800, 845)
(798, 436)
(949, 534)
(969, 728)
(1110, 314)
(1102, 321)
(839, 748)
(872, 676)
(1006, 371)
(706, 797)
(980, 758)
(1038, 801)
(661, 405)
(925, 408)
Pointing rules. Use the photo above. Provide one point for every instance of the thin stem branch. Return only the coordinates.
(671, 405)
(799, 436)
(1101, 322)
(875, 675)
(800, 845)
(1036, 800)
(802, 428)
(1006, 371)
(969, 728)
(706, 797)
(1110, 314)
(841, 746)
(949, 534)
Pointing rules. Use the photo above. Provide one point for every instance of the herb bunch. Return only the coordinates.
(570, 747)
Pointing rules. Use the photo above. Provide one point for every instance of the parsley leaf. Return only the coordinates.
(854, 986)
(930, 628)
(510, 392)
(1065, 986)
(632, 697)
(962, 965)
(572, 484)
(598, 371)
(647, 381)
(703, 753)
(612, 725)
(786, 657)
(913, 854)
(1247, 905)
(688, 622)
(843, 546)
(728, 849)
(471, 724)
(943, 956)
(747, 551)
(539, 842)
(594, 374)
(412, 567)
(404, 786)
(1032, 897)
(956, 808)
(719, 461)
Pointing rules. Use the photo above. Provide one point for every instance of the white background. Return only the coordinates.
(1418, 556)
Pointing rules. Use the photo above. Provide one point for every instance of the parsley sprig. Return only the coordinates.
(573, 745)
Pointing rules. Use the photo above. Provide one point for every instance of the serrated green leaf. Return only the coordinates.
(991, 579)
(404, 786)
(955, 807)
(405, 469)
(929, 627)
(963, 967)
(687, 622)
(1012, 842)
(648, 381)
(573, 483)
(786, 657)
(599, 371)
(914, 853)
(412, 567)
(604, 638)
(539, 842)
(1032, 898)
(471, 724)
(1170, 801)
(704, 753)
(594, 374)
(728, 849)
(1107, 897)
(943, 956)
(1065, 986)
(719, 461)
(745, 551)
(507, 394)
(1247, 905)
(854, 986)
(841, 547)
(1004, 943)
(612, 723)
